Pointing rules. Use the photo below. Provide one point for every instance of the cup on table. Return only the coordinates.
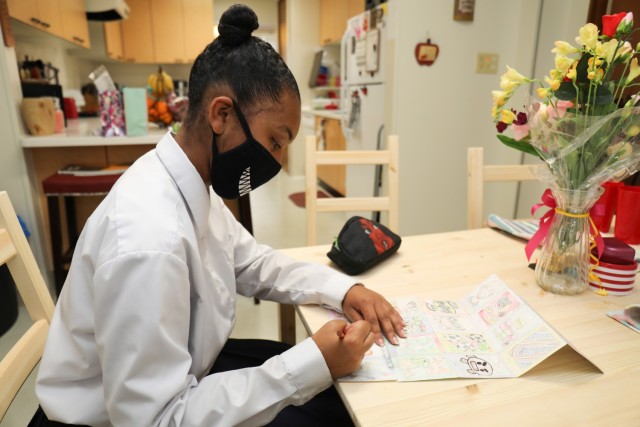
(627, 226)
(616, 279)
(603, 210)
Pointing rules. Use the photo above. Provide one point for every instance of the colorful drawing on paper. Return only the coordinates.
(463, 343)
(490, 333)
(499, 308)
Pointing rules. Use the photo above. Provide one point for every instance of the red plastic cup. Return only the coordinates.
(602, 212)
(70, 110)
(627, 226)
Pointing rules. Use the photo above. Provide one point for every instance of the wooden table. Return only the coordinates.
(564, 390)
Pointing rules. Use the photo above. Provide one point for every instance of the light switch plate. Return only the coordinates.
(487, 63)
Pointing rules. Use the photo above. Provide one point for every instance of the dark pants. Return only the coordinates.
(325, 409)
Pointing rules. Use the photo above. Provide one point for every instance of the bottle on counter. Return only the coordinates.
(59, 116)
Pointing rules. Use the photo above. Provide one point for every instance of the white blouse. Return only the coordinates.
(149, 303)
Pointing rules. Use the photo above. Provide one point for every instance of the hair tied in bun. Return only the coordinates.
(236, 25)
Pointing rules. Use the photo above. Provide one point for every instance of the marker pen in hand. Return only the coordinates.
(342, 332)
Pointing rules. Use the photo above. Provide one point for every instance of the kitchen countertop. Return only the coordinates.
(82, 133)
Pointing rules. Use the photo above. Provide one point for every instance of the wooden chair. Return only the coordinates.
(15, 252)
(389, 203)
(478, 173)
(313, 205)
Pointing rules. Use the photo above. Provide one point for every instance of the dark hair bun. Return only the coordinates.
(236, 25)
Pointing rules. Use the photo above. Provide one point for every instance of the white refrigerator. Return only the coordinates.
(363, 55)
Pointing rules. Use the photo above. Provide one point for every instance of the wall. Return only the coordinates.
(267, 11)
(13, 170)
(557, 24)
(303, 30)
(37, 44)
(440, 111)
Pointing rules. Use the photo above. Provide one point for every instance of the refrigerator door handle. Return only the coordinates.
(344, 78)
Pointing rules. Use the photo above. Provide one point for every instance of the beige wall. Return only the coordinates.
(303, 35)
(440, 111)
(267, 11)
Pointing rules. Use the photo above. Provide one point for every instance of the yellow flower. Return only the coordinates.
(596, 75)
(588, 36)
(499, 97)
(564, 48)
(555, 74)
(620, 150)
(515, 76)
(543, 93)
(506, 84)
(563, 63)
(633, 130)
(571, 74)
(634, 71)
(507, 116)
(554, 84)
(608, 50)
(594, 62)
(599, 50)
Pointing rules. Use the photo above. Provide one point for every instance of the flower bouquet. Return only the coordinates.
(585, 126)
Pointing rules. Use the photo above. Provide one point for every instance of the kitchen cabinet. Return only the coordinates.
(333, 18)
(354, 7)
(198, 27)
(172, 32)
(62, 18)
(330, 136)
(41, 14)
(113, 40)
(137, 33)
(168, 31)
(74, 22)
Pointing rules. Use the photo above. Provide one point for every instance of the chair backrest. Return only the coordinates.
(15, 252)
(478, 173)
(389, 202)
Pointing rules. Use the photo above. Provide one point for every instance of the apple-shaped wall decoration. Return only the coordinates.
(426, 53)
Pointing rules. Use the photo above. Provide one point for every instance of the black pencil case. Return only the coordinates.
(361, 244)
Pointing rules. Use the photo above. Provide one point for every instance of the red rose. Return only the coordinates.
(610, 23)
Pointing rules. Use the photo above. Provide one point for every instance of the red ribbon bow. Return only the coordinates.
(545, 223)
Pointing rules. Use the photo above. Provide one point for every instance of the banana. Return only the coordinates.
(161, 84)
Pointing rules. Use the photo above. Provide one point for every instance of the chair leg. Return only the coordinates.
(72, 222)
(287, 324)
(56, 242)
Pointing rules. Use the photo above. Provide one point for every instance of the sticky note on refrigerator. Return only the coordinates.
(135, 110)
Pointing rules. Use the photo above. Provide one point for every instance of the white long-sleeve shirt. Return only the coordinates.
(149, 303)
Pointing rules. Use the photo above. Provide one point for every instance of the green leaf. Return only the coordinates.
(518, 145)
(566, 92)
(603, 96)
(582, 67)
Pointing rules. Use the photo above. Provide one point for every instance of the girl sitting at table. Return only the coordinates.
(140, 334)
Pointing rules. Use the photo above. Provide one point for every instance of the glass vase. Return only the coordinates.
(564, 261)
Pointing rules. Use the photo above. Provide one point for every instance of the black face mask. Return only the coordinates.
(246, 167)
